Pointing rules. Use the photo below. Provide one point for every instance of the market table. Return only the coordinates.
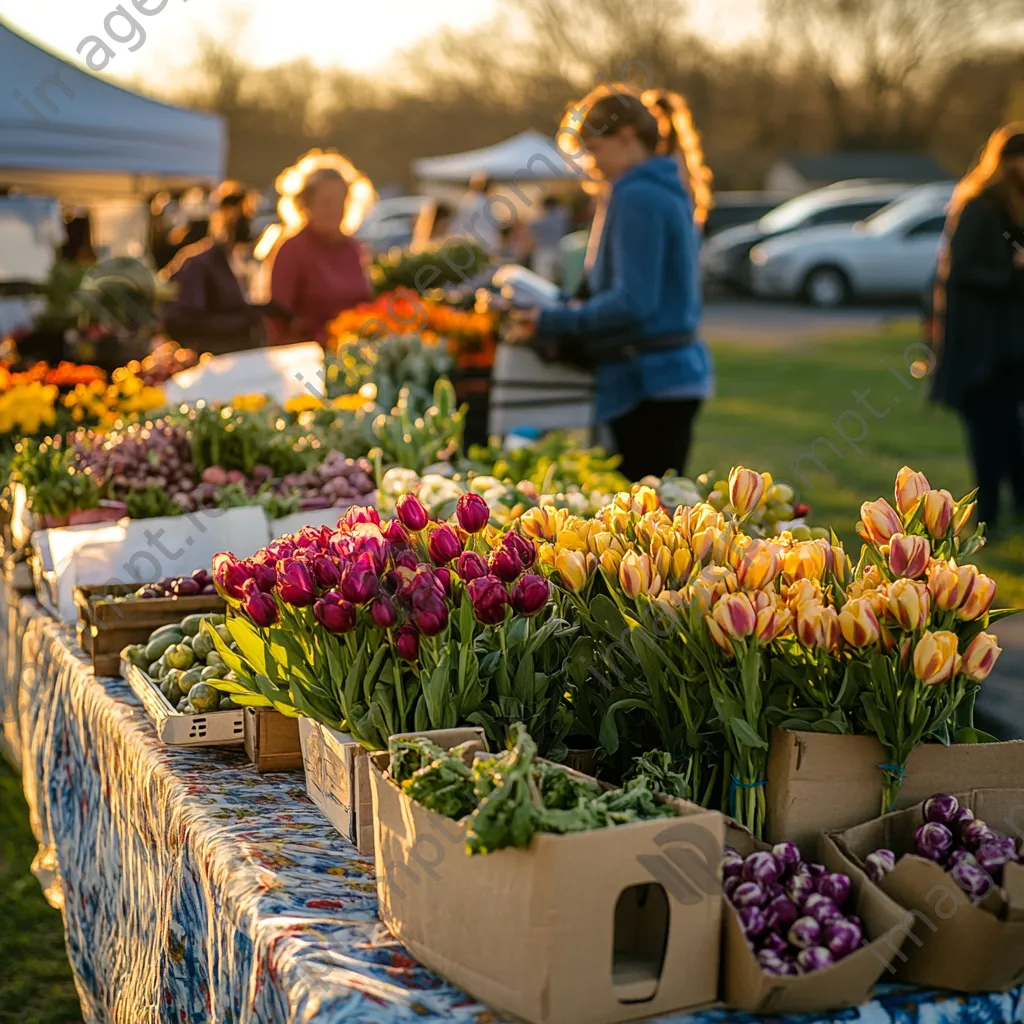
(196, 891)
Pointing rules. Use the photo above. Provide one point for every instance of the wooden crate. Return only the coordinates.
(272, 740)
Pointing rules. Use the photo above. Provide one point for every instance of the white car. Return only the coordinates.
(892, 254)
(391, 222)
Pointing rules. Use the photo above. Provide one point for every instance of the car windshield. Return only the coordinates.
(900, 211)
(792, 213)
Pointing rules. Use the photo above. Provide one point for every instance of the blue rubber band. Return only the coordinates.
(898, 772)
(735, 784)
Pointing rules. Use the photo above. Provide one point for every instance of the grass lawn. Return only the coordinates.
(774, 403)
(36, 986)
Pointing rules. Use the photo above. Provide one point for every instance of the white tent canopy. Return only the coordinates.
(65, 132)
(524, 156)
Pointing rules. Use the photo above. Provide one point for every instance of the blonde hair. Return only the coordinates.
(677, 135)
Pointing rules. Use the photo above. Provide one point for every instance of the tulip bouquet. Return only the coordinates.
(384, 627)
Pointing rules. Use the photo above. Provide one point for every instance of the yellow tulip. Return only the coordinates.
(719, 636)
(638, 576)
(937, 512)
(817, 627)
(543, 523)
(908, 556)
(909, 603)
(859, 624)
(735, 615)
(760, 564)
(879, 521)
(911, 486)
(963, 517)
(610, 562)
(567, 540)
(572, 569)
(949, 585)
(980, 657)
(979, 599)
(746, 489)
(803, 591)
(807, 560)
(772, 622)
(935, 658)
(663, 563)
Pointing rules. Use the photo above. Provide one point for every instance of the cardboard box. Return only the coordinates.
(848, 983)
(955, 944)
(587, 928)
(338, 781)
(819, 782)
(272, 740)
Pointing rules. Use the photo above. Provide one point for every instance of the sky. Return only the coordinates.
(358, 34)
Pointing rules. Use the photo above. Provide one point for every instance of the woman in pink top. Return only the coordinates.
(319, 271)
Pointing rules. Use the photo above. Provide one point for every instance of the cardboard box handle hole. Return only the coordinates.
(640, 942)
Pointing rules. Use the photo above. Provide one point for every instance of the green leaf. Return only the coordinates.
(607, 616)
(250, 643)
(609, 734)
(970, 735)
(746, 735)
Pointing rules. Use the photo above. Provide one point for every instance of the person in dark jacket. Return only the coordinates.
(210, 312)
(637, 329)
(979, 318)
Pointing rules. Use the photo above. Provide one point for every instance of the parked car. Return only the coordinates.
(391, 222)
(889, 255)
(732, 209)
(725, 258)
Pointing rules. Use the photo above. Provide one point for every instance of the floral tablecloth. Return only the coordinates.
(195, 891)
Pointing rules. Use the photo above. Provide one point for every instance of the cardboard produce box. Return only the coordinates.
(819, 782)
(272, 740)
(848, 983)
(591, 927)
(955, 944)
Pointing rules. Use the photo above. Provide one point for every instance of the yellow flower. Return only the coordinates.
(909, 603)
(250, 403)
(980, 657)
(573, 569)
(746, 489)
(879, 521)
(303, 403)
(759, 565)
(937, 512)
(859, 625)
(936, 660)
(543, 523)
(807, 560)
(637, 575)
(735, 616)
(911, 486)
(980, 597)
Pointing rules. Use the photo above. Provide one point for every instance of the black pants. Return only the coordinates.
(996, 440)
(655, 437)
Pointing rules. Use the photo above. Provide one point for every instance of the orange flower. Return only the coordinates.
(935, 658)
(910, 487)
(879, 521)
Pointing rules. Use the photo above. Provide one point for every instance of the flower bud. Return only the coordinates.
(383, 612)
(746, 488)
(937, 512)
(735, 615)
(359, 514)
(817, 627)
(858, 624)
(264, 576)
(407, 643)
(471, 566)
(719, 636)
(295, 583)
(259, 606)
(950, 585)
(396, 533)
(909, 603)
(803, 591)
(530, 595)
(879, 521)
(444, 544)
(963, 517)
(472, 513)
(935, 658)
(230, 575)
(637, 575)
(412, 513)
(335, 614)
(772, 622)
(326, 571)
(543, 523)
(911, 486)
(429, 613)
(807, 560)
(573, 570)
(908, 556)
(489, 598)
(523, 549)
(980, 657)
(360, 584)
(758, 565)
(980, 597)
(505, 565)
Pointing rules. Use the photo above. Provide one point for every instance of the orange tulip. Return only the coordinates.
(980, 657)
(807, 560)
(979, 599)
(909, 603)
(911, 486)
(879, 521)
(759, 565)
(908, 556)
(573, 569)
(858, 624)
(935, 658)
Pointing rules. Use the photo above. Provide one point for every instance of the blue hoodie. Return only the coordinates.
(645, 282)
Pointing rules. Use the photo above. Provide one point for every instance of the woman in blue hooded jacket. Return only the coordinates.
(638, 328)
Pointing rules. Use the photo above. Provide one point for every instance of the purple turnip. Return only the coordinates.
(732, 862)
(748, 894)
(822, 909)
(772, 940)
(941, 808)
(799, 886)
(804, 932)
(751, 921)
(770, 961)
(774, 890)
(843, 938)
(814, 958)
(994, 855)
(781, 914)
(878, 864)
(962, 816)
(787, 855)
(730, 885)
(762, 867)
(960, 856)
(973, 880)
(975, 834)
(933, 841)
(186, 588)
(836, 887)
(784, 968)
(216, 476)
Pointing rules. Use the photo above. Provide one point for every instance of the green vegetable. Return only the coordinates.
(203, 646)
(182, 656)
(157, 648)
(227, 704)
(191, 677)
(191, 624)
(211, 672)
(444, 786)
(135, 654)
(654, 771)
(409, 756)
(170, 689)
(204, 698)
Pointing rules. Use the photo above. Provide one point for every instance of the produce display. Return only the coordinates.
(795, 914)
(971, 852)
(183, 663)
(200, 582)
(448, 264)
(512, 797)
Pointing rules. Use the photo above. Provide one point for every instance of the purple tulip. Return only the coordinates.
(732, 863)
(751, 921)
(407, 643)
(748, 894)
(994, 855)
(490, 599)
(407, 560)
(444, 544)
(443, 575)
(781, 914)
(941, 808)
(362, 514)
(799, 886)
(804, 932)
(264, 577)
(359, 584)
(260, 607)
(412, 513)
(836, 887)
(383, 613)
(335, 614)
(472, 513)
(230, 575)
(429, 612)
(368, 540)
(762, 867)
(787, 855)
(975, 881)
(530, 595)
(814, 958)
(295, 584)
(975, 834)
(471, 566)
(730, 885)
(843, 938)
(879, 864)
(396, 534)
(822, 909)
(773, 941)
(326, 571)
(504, 564)
(522, 548)
(933, 841)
